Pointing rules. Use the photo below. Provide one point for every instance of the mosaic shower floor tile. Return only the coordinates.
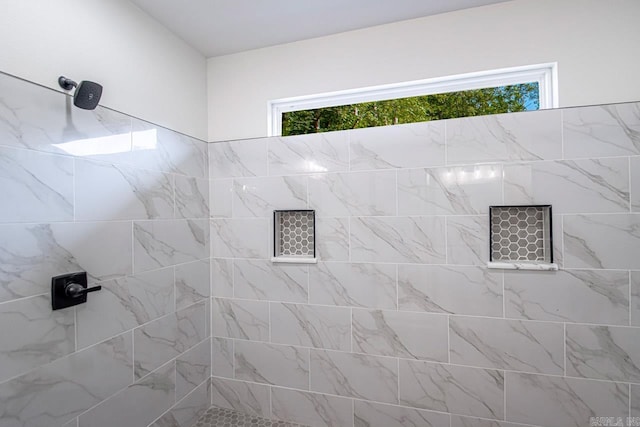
(217, 417)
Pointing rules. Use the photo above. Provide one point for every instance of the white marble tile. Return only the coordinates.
(58, 392)
(247, 320)
(353, 284)
(105, 192)
(192, 283)
(32, 254)
(259, 197)
(158, 148)
(241, 237)
(165, 338)
(634, 163)
(369, 414)
(589, 296)
(532, 135)
(152, 395)
(635, 400)
(222, 357)
(263, 280)
(421, 336)
(186, 412)
(319, 152)
(221, 277)
(354, 375)
(35, 186)
(248, 398)
(311, 326)
(634, 302)
(454, 389)
(192, 197)
(45, 120)
(332, 239)
(507, 344)
(399, 146)
(311, 409)
(558, 240)
(164, 243)
(602, 241)
(464, 190)
(398, 239)
(603, 352)
(281, 365)
(567, 402)
(220, 198)
(595, 185)
(124, 304)
(193, 367)
(468, 240)
(457, 290)
(238, 158)
(603, 130)
(32, 335)
(356, 193)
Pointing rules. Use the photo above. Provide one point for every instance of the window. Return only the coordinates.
(497, 91)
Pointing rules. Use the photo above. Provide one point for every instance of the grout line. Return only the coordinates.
(504, 297)
(630, 185)
(562, 134)
(397, 287)
(630, 299)
(397, 194)
(564, 345)
(446, 241)
(75, 328)
(446, 144)
(269, 319)
(398, 367)
(448, 339)
(351, 329)
(504, 395)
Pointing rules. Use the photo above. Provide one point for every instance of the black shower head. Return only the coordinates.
(87, 94)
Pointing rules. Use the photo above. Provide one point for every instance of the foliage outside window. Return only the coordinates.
(476, 102)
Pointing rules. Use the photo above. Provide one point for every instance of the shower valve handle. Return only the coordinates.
(75, 290)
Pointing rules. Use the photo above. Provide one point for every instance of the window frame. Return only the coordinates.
(546, 75)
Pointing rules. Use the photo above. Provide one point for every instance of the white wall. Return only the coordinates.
(595, 43)
(146, 71)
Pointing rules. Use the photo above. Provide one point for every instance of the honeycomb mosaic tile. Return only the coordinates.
(218, 417)
(295, 233)
(521, 233)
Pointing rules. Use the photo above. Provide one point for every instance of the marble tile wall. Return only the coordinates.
(400, 323)
(128, 202)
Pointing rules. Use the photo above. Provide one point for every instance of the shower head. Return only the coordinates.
(87, 94)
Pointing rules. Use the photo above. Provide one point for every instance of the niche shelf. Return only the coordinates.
(294, 236)
(521, 238)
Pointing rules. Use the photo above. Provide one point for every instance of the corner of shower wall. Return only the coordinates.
(127, 202)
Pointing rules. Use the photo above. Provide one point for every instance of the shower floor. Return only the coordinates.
(217, 417)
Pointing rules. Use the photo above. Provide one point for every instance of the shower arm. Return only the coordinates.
(66, 84)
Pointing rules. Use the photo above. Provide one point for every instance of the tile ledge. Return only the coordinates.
(294, 260)
(523, 265)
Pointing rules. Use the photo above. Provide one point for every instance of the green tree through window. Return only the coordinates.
(477, 102)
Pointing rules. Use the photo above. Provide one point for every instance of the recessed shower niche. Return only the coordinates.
(294, 236)
(521, 237)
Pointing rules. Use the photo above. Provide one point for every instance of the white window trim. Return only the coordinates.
(546, 75)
